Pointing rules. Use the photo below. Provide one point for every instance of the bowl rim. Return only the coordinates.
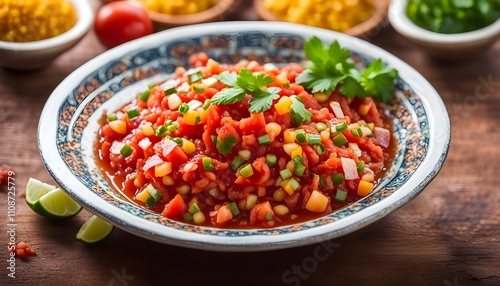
(176, 20)
(400, 22)
(428, 169)
(85, 18)
(376, 19)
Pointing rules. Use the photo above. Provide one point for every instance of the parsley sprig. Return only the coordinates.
(332, 66)
(246, 83)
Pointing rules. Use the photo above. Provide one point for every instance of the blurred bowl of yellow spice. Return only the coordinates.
(358, 18)
(168, 14)
(35, 32)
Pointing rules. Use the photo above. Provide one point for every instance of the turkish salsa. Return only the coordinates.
(173, 151)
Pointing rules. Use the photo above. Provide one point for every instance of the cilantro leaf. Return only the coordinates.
(228, 96)
(263, 103)
(253, 84)
(332, 67)
(351, 88)
(378, 80)
(298, 112)
(246, 83)
(228, 78)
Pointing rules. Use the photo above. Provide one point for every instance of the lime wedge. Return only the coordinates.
(56, 204)
(94, 230)
(35, 190)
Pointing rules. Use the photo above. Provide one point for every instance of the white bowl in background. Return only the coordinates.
(461, 46)
(38, 54)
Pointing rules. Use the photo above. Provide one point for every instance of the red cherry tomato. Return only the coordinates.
(121, 21)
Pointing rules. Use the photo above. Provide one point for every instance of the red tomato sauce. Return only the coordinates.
(175, 153)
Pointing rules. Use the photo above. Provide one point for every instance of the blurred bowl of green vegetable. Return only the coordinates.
(448, 29)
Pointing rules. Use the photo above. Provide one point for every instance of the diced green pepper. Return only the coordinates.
(126, 150)
(271, 160)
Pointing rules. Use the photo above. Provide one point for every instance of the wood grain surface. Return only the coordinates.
(449, 235)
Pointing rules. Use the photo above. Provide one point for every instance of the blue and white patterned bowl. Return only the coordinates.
(69, 122)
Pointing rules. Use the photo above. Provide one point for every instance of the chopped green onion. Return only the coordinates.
(172, 128)
(198, 88)
(357, 132)
(206, 104)
(126, 150)
(197, 120)
(234, 208)
(170, 90)
(194, 208)
(320, 149)
(153, 192)
(131, 113)
(299, 170)
(207, 163)
(269, 216)
(183, 108)
(144, 95)
(236, 163)
(246, 171)
(301, 136)
(314, 139)
(169, 122)
(195, 76)
(271, 160)
(264, 140)
(320, 126)
(161, 131)
(339, 140)
(294, 184)
(321, 182)
(188, 217)
(361, 166)
(341, 127)
(225, 146)
(338, 178)
(214, 139)
(340, 196)
(178, 141)
(285, 174)
(298, 160)
(112, 117)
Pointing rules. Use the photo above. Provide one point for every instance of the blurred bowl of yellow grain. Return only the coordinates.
(168, 14)
(35, 32)
(360, 18)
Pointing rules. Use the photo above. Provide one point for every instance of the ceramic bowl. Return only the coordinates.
(70, 120)
(38, 54)
(460, 46)
(163, 21)
(364, 29)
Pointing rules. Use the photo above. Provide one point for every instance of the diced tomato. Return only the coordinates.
(177, 156)
(224, 215)
(262, 214)
(255, 124)
(176, 208)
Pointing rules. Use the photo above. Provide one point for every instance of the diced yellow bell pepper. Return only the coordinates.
(364, 188)
(188, 146)
(283, 105)
(119, 126)
(317, 202)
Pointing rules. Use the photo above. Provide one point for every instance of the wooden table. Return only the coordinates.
(448, 235)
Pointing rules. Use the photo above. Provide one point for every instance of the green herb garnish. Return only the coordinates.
(332, 67)
(246, 83)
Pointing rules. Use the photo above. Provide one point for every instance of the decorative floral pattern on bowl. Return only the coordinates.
(70, 120)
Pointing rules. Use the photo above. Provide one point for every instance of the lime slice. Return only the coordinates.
(94, 230)
(56, 204)
(35, 189)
